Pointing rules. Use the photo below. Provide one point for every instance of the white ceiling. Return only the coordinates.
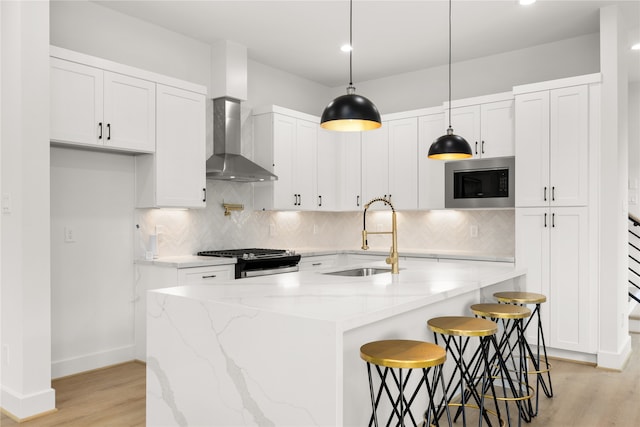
(303, 37)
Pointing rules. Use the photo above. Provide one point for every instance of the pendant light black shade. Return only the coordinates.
(350, 112)
(450, 146)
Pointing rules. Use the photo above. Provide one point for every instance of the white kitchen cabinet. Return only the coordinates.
(175, 175)
(288, 144)
(375, 164)
(403, 163)
(350, 163)
(552, 147)
(328, 195)
(430, 171)
(554, 245)
(95, 108)
(488, 127)
(152, 277)
(315, 262)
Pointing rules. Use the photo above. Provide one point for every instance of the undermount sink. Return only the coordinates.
(364, 271)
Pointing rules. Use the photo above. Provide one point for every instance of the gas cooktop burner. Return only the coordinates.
(253, 253)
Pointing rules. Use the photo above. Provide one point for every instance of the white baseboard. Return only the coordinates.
(87, 362)
(24, 406)
(615, 361)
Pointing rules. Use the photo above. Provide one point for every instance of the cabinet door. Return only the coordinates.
(350, 171)
(430, 172)
(465, 122)
(327, 176)
(129, 113)
(305, 164)
(180, 155)
(569, 296)
(284, 140)
(569, 146)
(496, 133)
(76, 103)
(532, 149)
(403, 163)
(375, 164)
(532, 253)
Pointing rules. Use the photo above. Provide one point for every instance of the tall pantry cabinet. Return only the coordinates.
(557, 141)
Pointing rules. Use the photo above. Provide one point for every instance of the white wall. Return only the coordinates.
(482, 76)
(634, 148)
(25, 302)
(92, 308)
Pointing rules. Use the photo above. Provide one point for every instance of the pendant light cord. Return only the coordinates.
(350, 42)
(449, 64)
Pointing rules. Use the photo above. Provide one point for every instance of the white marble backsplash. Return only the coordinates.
(184, 232)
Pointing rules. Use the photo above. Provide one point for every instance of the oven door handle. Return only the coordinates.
(265, 272)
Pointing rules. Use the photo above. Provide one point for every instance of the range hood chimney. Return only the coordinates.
(229, 87)
(227, 162)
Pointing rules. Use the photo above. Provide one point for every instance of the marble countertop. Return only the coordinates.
(187, 261)
(351, 302)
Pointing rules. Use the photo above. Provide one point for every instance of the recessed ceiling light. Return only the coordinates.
(526, 2)
(635, 46)
(345, 48)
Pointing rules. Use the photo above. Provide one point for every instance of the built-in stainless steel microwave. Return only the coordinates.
(480, 183)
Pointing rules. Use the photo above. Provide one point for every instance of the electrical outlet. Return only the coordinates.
(69, 235)
(315, 228)
(5, 355)
(473, 230)
(6, 203)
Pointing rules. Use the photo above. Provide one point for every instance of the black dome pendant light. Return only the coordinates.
(450, 146)
(350, 112)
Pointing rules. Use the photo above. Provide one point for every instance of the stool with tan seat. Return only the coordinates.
(456, 332)
(540, 367)
(392, 358)
(512, 347)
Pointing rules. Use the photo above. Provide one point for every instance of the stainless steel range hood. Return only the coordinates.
(227, 162)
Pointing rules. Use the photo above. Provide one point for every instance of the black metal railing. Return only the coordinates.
(634, 257)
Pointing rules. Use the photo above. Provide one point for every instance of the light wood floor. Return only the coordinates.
(584, 397)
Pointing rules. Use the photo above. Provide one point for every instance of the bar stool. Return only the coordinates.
(512, 349)
(404, 355)
(456, 331)
(523, 298)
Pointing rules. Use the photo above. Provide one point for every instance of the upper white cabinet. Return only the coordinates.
(328, 196)
(430, 171)
(403, 163)
(350, 163)
(375, 163)
(487, 124)
(101, 109)
(175, 175)
(287, 143)
(552, 147)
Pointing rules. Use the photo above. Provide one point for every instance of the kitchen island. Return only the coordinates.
(284, 349)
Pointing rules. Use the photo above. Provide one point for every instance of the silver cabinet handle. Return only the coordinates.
(316, 264)
(482, 150)
(211, 276)
(358, 201)
(553, 194)
(476, 148)
(553, 220)
(295, 200)
(108, 131)
(319, 200)
(545, 220)
(100, 130)
(299, 200)
(545, 194)
(204, 194)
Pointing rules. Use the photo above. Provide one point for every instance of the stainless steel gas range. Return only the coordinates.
(254, 262)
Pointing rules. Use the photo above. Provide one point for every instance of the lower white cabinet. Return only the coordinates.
(308, 263)
(152, 277)
(554, 245)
